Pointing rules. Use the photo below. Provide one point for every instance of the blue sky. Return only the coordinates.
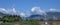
(26, 5)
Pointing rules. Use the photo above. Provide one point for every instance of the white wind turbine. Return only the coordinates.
(46, 21)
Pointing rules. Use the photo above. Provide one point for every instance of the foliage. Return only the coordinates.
(33, 22)
(30, 22)
(13, 19)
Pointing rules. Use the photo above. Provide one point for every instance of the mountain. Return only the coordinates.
(49, 16)
(1, 14)
(36, 17)
(53, 15)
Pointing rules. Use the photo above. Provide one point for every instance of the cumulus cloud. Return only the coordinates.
(3, 10)
(37, 10)
(12, 11)
(25, 14)
(8, 11)
(22, 14)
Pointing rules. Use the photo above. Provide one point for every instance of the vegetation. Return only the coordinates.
(12, 18)
(33, 22)
(16, 20)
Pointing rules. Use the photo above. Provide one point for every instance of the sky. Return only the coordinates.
(27, 5)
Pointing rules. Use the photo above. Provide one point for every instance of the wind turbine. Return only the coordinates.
(46, 21)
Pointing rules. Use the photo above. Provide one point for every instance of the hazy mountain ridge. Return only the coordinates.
(50, 15)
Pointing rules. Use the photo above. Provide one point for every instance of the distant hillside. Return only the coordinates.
(49, 16)
(2, 14)
(53, 15)
(37, 17)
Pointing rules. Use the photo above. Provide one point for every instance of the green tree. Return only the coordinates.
(11, 18)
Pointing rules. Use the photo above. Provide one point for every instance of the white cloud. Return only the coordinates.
(22, 14)
(35, 9)
(25, 14)
(38, 11)
(12, 11)
(8, 11)
(3, 10)
(28, 13)
(52, 9)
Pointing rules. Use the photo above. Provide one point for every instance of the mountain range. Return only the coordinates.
(49, 16)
